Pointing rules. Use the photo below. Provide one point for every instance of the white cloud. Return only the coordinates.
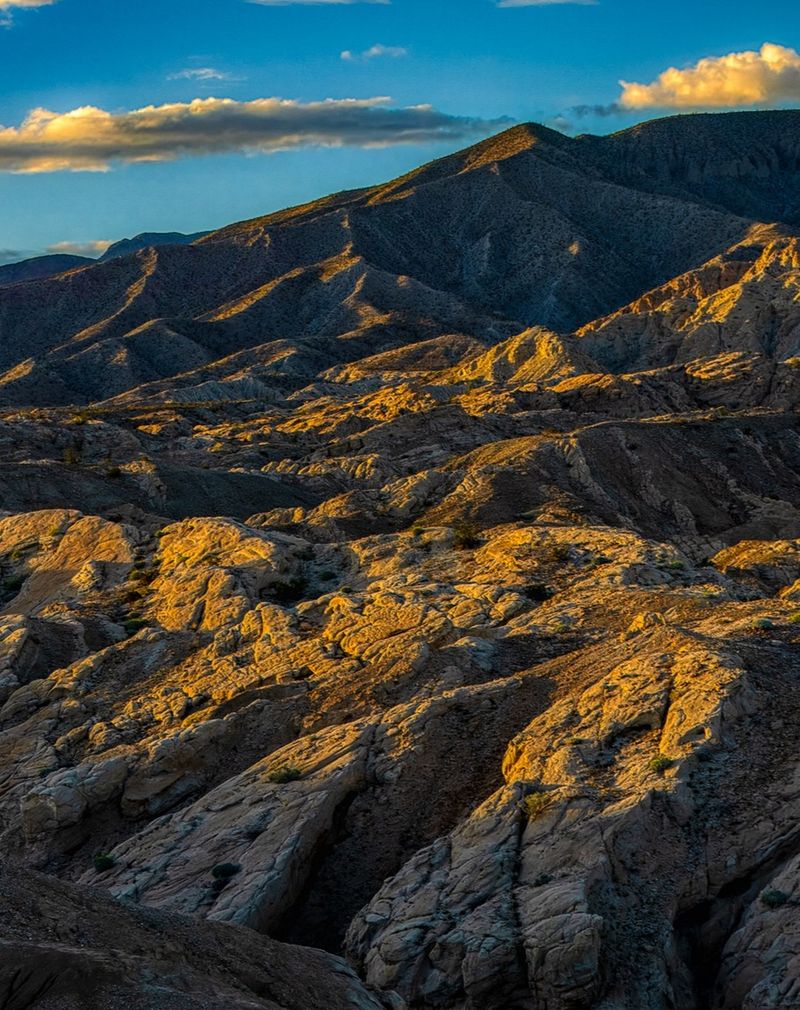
(7, 5)
(7, 8)
(546, 3)
(95, 248)
(766, 77)
(92, 139)
(374, 52)
(200, 74)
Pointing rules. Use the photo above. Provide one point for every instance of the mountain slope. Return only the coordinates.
(527, 228)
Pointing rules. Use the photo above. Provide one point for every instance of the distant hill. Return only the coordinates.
(149, 238)
(40, 266)
(57, 263)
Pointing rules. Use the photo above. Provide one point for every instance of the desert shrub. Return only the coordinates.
(286, 773)
(465, 535)
(114, 472)
(134, 624)
(660, 763)
(795, 617)
(14, 583)
(103, 862)
(327, 575)
(538, 592)
(773, 898)
(763, 624)
(72, 455)
(535, 805)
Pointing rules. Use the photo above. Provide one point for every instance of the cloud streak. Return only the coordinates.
(200, 74)
(394, 52)
(92, 139)
(753, 78)
(547, 3)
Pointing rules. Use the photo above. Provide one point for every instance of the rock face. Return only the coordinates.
(388, 642)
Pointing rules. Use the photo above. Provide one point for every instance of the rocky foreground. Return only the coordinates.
(471, 662)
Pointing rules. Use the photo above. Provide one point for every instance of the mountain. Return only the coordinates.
(41, 266)
(400, 594)
(57, 263)
(148, 239)
(528, 228)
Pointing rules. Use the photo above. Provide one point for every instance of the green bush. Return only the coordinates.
(774, 899)
(465, 535)
(536, 804)
(538, 592)
(134, 624)
(103, 862)
(286, 773)
(660, 763)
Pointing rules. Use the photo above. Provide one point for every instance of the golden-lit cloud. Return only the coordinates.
(93, 249)
(766, 77)
(92, 139)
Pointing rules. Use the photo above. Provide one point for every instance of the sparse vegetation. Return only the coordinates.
(286, 773)
(104, 862)
(538, 592)
(134, 624)
(536, 804)
(763, 624)
(773, 898)
(660, 763)
(465, 535)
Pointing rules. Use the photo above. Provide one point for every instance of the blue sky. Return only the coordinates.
(476, 64)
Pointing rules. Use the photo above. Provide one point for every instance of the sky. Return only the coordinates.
(186, 115)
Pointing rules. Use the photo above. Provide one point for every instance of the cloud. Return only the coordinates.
(546, 3)
(91, 139)
(8, 5)
(373, 52)
(766, 77)
(200, 74)
(95, 248)
(7, 8)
